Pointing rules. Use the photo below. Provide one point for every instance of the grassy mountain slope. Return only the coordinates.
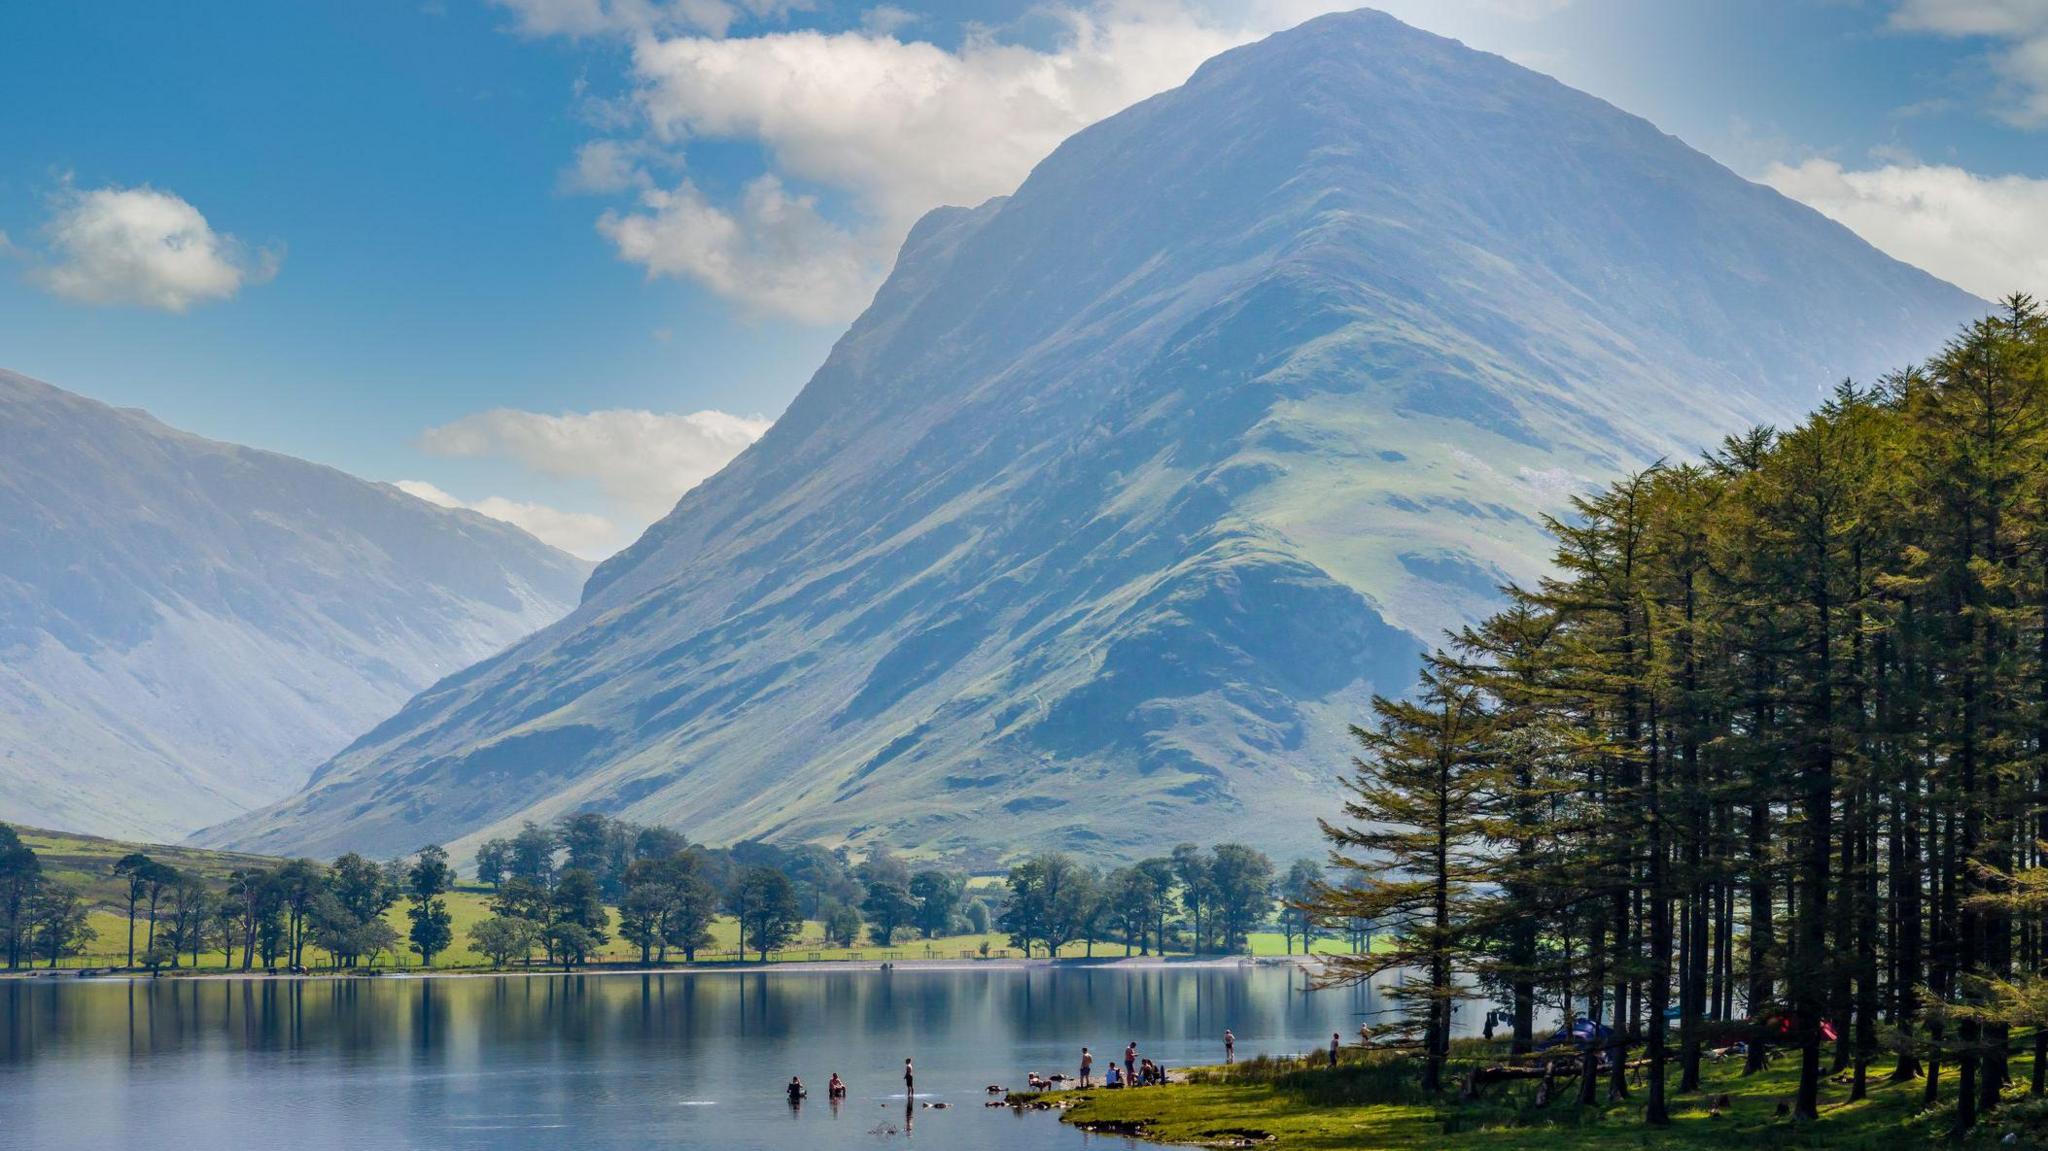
(187, 627)
(1130, 488)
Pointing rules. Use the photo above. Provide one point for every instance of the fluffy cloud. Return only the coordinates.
(907, 125)
(774, 253)
(642, 461)
(1988, 234)
(590, 536)
(2019, 26)
(898, 127)
(143, 247)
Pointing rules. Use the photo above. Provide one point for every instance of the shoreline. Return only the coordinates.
(792, 967)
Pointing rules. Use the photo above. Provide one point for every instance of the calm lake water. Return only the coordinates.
(608, 1061)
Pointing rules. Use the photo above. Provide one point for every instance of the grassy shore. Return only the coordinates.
(1373, 1101)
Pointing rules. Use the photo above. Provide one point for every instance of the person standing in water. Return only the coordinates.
(909, 1080)
(1087, 1066)
(1229, 1047)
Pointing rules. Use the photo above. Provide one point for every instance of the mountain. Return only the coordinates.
(1106, 518)
(188, 628)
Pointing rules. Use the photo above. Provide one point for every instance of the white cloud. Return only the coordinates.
(1987, 234)
(897, 127)
(587, 535)
(606, 166)
(2019, 26)
(773, 253)
(903, 126)
(143, 247)
(642, 461)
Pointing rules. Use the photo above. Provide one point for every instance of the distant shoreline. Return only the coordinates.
(793, 967)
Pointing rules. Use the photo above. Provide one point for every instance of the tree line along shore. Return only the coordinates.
(591, 890)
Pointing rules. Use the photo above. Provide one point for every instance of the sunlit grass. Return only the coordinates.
(1378, 1104)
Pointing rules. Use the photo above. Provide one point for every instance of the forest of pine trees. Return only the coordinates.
(1770, 748)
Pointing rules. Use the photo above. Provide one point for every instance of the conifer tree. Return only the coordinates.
(1419, 819)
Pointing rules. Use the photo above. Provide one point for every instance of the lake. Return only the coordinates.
(682, 1060)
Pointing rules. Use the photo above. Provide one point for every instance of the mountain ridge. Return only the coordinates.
(1131, 487)
(188, 626)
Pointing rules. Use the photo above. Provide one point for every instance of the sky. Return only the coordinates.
(559, 260)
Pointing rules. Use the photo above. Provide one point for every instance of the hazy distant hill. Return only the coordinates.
(187, 627)
(1104, 520)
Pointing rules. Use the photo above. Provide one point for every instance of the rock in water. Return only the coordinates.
(1126, 492)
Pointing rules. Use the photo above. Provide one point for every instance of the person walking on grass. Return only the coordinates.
(1336, 1041)
(1087, 1067)
(1229, 1047)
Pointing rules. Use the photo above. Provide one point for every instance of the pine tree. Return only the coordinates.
(1415, 850)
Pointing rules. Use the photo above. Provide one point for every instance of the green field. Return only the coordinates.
(86, 863)
(1319, 1110)
(1267, 944)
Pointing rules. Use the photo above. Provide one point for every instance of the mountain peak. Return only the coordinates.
(1131, 488)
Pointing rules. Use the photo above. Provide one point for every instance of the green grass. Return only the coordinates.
(1375, 1102)
(86, 863)
(1266, 944)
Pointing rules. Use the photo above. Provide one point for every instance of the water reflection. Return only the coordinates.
(686, 1060)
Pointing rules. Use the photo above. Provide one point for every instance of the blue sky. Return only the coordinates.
(560, 258)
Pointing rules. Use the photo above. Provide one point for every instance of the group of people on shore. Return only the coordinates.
(1132, 1072)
